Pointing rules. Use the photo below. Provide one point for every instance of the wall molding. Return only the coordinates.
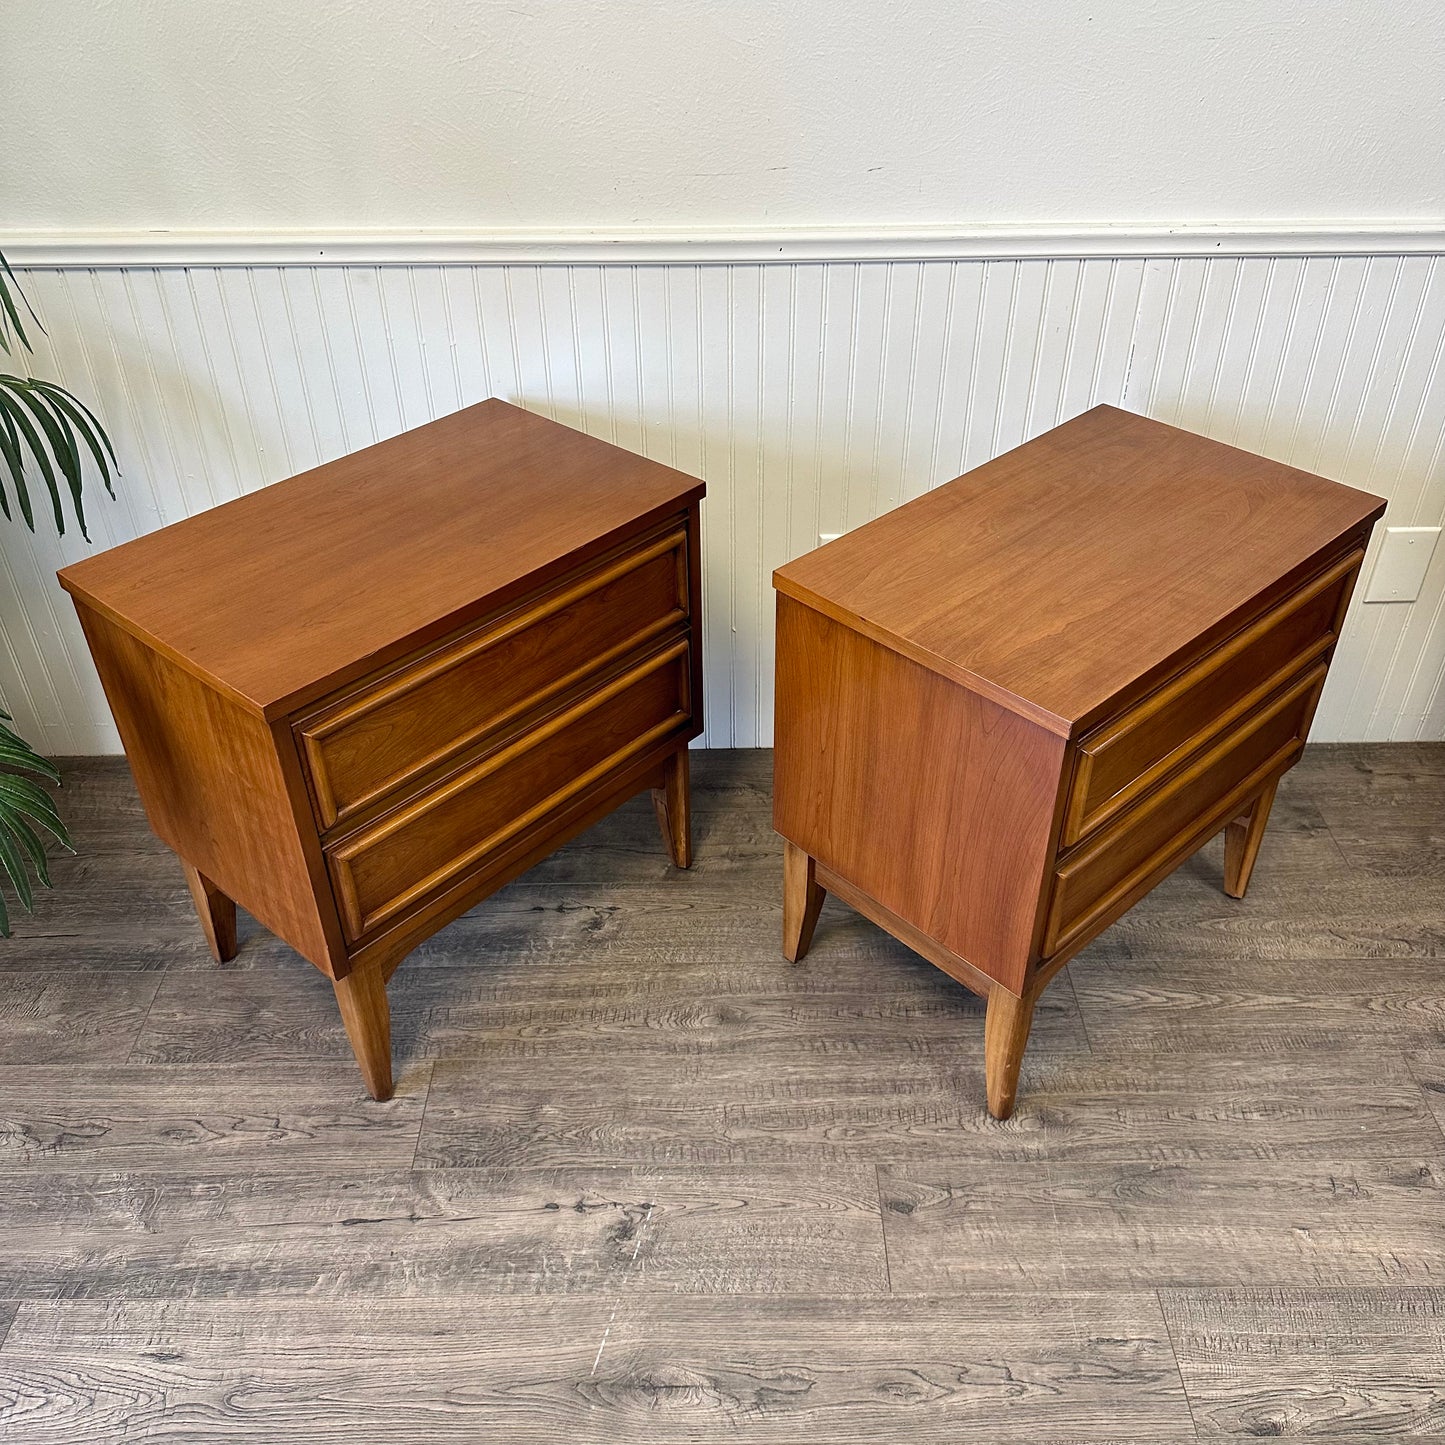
(719, 246)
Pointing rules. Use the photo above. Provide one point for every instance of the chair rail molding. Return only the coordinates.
(813, 378)
(723, 246)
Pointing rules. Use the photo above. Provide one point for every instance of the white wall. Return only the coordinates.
(338, 114)
(1224, 213)
(811, 397)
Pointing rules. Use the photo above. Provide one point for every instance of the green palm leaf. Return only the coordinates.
(44, 431)
(10, 324)
(23, 804)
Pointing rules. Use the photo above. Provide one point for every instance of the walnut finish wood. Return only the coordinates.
(283, 595)
(878, 763)
(1123, 759)
(427, 713)
(216, 912)
(366, 1015)
(802, 902)
(411, 853)
(1006, 1027)
(1242, 839)
(1112, 544)
(358, 701)
(673, 804)
(213, 783)
(1008, 709)
(1170, 824)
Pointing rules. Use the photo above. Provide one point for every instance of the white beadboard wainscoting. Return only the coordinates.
(812, 394)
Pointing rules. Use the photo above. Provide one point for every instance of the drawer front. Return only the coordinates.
(1129, 754)
(408, 855)
(1166, 827)
(384, 734)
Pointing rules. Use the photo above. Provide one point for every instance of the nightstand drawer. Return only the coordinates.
(1130, 753)
(1166, 827)
(454, 830)
(384, 734)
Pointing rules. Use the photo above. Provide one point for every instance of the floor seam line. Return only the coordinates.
(1178, 1366)
(1068, 973)
(883, 1226)
(5, 1333)
(1424, 1093)
(431, 1079)
(130, 1057)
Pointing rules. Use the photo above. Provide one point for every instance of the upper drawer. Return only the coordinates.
(1128, 754)
(387, 731)
(458, 829)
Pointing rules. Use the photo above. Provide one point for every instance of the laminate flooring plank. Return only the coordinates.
(732, 779)
(1264, 1006)
(1167, 1106)
(105, 1117)
(750, 1106)
(1075, 1224)
(1349, 1366)
(1343, 761)
(1320, 915)
(626, 849)
(147, 947)
(96, 790)
(1428, 1068)
(1401, 783)
(1394, 849)
(363, 1231)
(895, 1102)
(647, 1370)
(678, 923)
(1309, 897)
(592, 1010)
(72, 1017)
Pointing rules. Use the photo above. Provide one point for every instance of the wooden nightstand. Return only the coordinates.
(1008, 709)
(358, 701)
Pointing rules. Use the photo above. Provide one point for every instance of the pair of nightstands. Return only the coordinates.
(359, 701)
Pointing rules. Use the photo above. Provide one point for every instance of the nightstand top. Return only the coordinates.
(1058, 575)
(316, 578)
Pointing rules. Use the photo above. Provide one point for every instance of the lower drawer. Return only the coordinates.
(412, 853)
(1160, 833)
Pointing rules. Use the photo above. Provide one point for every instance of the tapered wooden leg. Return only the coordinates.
(216, 912)
(361, 996)
(1005, 1036)
(673, 802)
(1242, 839)
(802, 902)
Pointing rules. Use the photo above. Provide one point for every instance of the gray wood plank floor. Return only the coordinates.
(643, 1181)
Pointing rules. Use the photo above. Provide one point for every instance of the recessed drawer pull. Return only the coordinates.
(1125, 757)
(456, 829)
(382, 737)
(1168, 825)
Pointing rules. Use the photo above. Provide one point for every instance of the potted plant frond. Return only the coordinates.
(49, 433)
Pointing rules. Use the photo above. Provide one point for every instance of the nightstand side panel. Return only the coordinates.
(930, 799)
(211, 780)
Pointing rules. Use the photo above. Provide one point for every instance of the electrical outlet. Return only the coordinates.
(1401, 564)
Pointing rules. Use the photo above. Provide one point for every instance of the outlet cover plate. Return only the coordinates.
(1401, 564)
